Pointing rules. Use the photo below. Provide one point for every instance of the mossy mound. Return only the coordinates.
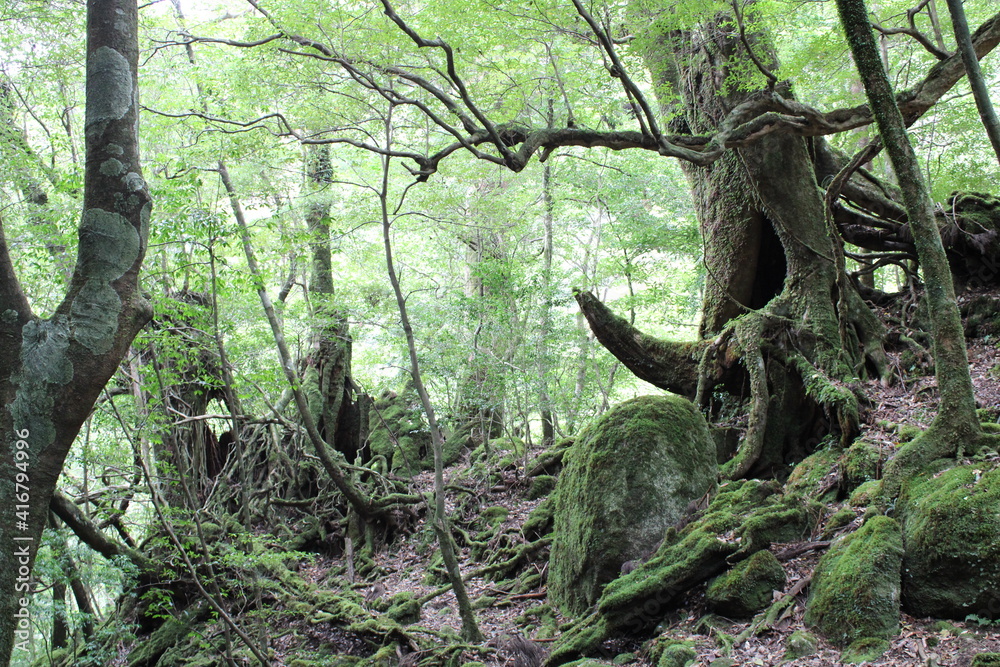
(855, 588)
(744, 517)
(668, 652)
(862, 462)
(986, 660)
(398, 432)
(800, 644)
(864, 494)
(630, 476)
(951, 526)
(815, 476)
(748, 587)
(865, 649)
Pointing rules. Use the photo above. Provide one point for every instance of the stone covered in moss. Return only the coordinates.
(748, 587)
(864, 494)
(951, 526)
(861, 463)
(541, 486)
(813, 475)
(744, 517)
(800, 644)
(986, 660)
(404, 608)
(664, 651)
(628, 478)
(398, 432)
(677, 655)
(855, 588)
(865, 649)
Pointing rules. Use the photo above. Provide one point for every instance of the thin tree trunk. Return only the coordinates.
(956, 422)
(545, 327)
(975, 74)
(358, 501)
(470, 629)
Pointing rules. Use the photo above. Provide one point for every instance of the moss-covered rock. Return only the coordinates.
(861, 463)
(744, 517)
(541, 486)
(855, 588)
(748, 587)
(404, 608)
(631, 476)
(865, 649)
(815, 476)
(540, 521)
(677, 655)
(800, 644)
(173, 631)
(668, 652)
(951, 527)
(864, 494)
(398, 432)
(986, 660)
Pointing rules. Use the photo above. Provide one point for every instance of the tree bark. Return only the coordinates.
(54, 369)
(979, 90)
(956, 423)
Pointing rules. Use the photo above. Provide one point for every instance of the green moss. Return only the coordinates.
(398, 432)
(404, 608)
(677, 654)
(855, 588)
(842, 517)
(990, 427)
(612, 508)
(744, 517)
(988, 414)
(951, 525)
(908, 432)
(814, 476)
(862, 462)
(541, 486)
(800, 644)
(864, 494)
(494, 515)
(986, 660)
(540, 521)
(865, 649)
(172, 631)
(748, 587)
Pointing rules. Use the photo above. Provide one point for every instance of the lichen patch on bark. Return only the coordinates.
(44, 362)
(109, 89)
(109, 246)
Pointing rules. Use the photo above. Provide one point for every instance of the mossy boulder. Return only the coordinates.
(863, 650)
(862, 462)
(815, 476)
(744, 517)
(397, 430)
(666, 651)
(986, 660)
(748, 587)
(541, 486)
(800, 644)
(856, 586)
(951, 527)
(630, 476)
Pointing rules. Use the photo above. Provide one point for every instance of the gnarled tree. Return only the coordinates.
(53, 369)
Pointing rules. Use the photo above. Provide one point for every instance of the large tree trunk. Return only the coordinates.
(53, 370)
(337, 407)
(769, 253)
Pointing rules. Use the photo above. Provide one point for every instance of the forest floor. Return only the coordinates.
(502, 613)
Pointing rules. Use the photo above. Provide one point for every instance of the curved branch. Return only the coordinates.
(670, 366)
